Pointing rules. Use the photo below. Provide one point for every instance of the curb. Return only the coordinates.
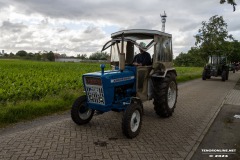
(199, 140)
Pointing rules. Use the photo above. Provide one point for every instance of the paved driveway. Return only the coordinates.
(172, 138)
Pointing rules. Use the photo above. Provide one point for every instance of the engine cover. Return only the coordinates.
(101, 88)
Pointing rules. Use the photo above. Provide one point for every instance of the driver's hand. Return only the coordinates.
(137, 64)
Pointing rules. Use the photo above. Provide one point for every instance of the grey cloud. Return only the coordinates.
(76, 39)
(91, 33)
(184, 17)
(13, 27)
(62, 29)
(142, 23)
(44, 21)
(27, 35)
(126, 14)
(3, 4)
(190, 26)
(90, 29)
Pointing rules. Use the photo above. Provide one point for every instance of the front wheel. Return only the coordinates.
(80, 112)
(204, 77)
(227, 75)
(132, 120)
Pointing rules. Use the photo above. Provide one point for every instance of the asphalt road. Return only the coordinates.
(177, 137)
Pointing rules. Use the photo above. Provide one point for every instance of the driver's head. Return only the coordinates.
(142, 45)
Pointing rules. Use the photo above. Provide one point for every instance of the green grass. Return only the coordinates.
(188, 73)
(30, 109)
(29, 89)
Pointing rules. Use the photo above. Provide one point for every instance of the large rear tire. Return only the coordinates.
(80, 112)
(132, 120)
(224, 75)
(165, 95)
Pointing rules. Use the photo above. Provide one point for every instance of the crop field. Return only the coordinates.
(29, 80)
(29, 88)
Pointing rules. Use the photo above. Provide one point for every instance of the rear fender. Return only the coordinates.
(169, 70)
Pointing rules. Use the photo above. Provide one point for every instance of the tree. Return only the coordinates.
(22, 53)
(50, 56)
(212, 36)
(37, 56)
(233, 51)
(99, 56)
(82, 56)
(232, 2)
(30, 54)
(190, 59)
(11, 54)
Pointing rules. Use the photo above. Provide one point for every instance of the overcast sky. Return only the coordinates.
(83, 26)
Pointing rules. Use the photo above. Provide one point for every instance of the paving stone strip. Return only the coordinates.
(170, 138)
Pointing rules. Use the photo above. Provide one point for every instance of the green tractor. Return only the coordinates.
(216, 66)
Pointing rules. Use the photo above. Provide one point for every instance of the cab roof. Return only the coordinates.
(140, 34)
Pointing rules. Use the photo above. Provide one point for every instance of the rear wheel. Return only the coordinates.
(165, 95)
(81, 113)
(132, 120)
(224, 75)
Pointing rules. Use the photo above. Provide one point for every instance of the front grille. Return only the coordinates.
(95, 94)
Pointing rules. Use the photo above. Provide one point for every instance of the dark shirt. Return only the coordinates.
(143, 58)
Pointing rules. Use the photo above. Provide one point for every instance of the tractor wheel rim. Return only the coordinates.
(135, 121)
(84, 112)
(172, 94)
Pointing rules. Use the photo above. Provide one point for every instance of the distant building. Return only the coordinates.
(72, 59)
(2, 53)
(67, 59)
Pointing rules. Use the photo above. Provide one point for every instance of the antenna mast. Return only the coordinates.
(163, 17)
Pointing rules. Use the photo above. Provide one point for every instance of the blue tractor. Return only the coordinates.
(126, 87)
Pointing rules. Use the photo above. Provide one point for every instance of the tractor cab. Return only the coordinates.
(125, 44)
(159, 45)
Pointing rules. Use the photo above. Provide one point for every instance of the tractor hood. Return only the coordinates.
(101, 87)
(113, 77)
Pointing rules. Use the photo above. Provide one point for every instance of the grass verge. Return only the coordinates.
(28, 110)
(188, 73)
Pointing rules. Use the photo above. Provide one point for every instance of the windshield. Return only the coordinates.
(115, 49)
(130, 48)
(216, 59)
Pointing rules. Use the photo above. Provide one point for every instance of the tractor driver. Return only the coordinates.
(143, 58)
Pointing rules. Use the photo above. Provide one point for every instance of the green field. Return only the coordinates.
(29, 89)
(188, 73)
